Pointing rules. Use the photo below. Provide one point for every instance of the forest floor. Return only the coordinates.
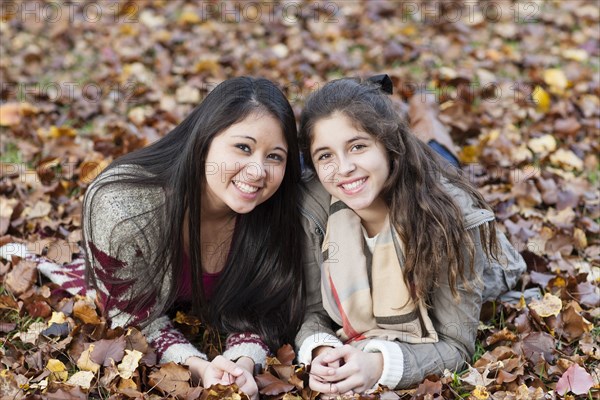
(518, 84)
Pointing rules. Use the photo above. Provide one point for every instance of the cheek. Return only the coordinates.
(326, 173)
(278, 172)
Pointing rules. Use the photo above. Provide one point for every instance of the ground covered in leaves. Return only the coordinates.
(518, 84)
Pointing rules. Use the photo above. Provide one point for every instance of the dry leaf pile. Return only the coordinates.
(518, 83)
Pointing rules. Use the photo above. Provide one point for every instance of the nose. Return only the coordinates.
(256, 171)
(346, 165)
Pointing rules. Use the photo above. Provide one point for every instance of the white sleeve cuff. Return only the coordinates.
(393, 361)
(252, 350)
(180, 352)
(314, 341)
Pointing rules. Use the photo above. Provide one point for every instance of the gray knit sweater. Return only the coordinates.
(121, 232)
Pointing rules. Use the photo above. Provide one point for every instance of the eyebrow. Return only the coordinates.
(254, 140)
(354, 139)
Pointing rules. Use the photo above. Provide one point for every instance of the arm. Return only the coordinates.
(117, 251)
(316, 330)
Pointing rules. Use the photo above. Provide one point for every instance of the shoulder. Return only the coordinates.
(111, 189)
(314, 202)
(473, 214)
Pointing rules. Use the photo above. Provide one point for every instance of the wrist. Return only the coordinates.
(246, 362)
(319, 350)
(197, 367)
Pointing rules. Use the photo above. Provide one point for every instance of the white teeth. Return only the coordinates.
(245, 187)
(353, 185)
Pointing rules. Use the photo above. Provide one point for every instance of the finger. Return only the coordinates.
(337, 354)
(322, 371)
(344, 372)
(322, 387)
(351, 384)
(241, 380)
(228, 378)
(227, 366)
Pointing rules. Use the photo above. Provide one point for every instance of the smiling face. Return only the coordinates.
(245, 165)
(351, 164)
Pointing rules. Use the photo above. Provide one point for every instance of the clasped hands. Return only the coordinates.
(225, 372)
(344, 370)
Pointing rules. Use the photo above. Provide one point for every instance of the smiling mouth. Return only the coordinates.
(353, 185)
(244, 187)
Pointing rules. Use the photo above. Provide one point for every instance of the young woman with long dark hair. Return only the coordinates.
(401, 248)
(206, 215)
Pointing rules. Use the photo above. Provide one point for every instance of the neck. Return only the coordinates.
(373, 218)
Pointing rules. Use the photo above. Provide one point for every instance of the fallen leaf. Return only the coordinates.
(556, 79)
(567, 160)
(21, 278)
(85, 361)
(58, 369)
(107, 351)
(541, 99)
(130, 363)
(549, 305)
(571, 323)
(576, 380)
(170, 379)
(83, 311)
(82, 379)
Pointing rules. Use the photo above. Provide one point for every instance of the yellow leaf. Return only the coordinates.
(542, 145)
(567, 160)
(469, 154)
(85, 362)
(580, 239)
(576, 55)
(82, 379)
(129, 364)
(57, 318)
(480, 393)
(127, 384)
(556, 79)
(542, 99)
(189, 17)
(58, 369)
(549, 305)
(60, 131)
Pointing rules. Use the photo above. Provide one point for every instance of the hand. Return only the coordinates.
(320, 369)
(246, 381)
(220, 371)
(359, 371)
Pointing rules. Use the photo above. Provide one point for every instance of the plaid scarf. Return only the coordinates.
(365, 292)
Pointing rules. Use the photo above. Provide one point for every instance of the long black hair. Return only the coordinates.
(428, 220)
(261, 288)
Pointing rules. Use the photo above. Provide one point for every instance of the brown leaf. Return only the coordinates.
(571, 323)
(21, 277)
(428, 388)
(270, 385)
(39, 309)
(107, 350)
(10, 114)
(285, 354)
(537, 346)
(83, 311)
(171, 379)
(501, 336)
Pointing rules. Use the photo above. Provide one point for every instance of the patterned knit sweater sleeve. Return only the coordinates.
(119, 227)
